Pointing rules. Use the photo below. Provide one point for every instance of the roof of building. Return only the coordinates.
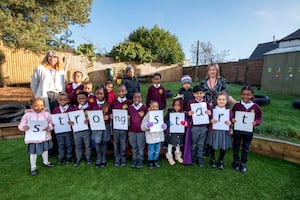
(283, 50)
(258, 53)
(293, 36)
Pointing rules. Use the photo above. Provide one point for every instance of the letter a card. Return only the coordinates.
(96, 120)
(156, 116)
(60, 122)
(199, 116)
(244, 121)
(36, 131)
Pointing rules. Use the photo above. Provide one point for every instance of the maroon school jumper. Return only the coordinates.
(116, 104)
(92, 99)
(57, 110)
(254, 108)
(136, 117)
(72, 93)
(106, 109)
(157, 94)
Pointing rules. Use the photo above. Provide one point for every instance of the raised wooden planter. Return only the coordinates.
(276, 149)
(264, 146)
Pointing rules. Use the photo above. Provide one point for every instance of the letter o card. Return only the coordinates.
(96, 120)
(156, 116)
(120, 120)
(244, 121)
(60, 122)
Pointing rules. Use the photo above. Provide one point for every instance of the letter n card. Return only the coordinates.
(120, 120)
(244, 121)
(156, 116)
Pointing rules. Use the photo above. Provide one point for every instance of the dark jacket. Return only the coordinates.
(132, 86)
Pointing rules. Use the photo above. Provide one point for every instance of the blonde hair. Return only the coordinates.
(215, 66)
(36, 99)
(58, 66)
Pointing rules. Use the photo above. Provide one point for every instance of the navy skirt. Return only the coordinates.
(39, 148)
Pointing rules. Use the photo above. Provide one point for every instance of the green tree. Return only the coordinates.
(38, 24)
(159, 46)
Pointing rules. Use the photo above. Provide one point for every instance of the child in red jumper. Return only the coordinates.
(74, 87)
(157, 93)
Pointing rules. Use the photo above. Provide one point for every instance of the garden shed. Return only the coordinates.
(281, 71)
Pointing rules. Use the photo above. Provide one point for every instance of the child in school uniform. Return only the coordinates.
(156, 92)
(242, 137)
(102, 137)
(64, 140)
(109, 85)
(136, 113)
(198, 132)
(85, 135)
(153, 139)
(34, 148)
(74, 87)
(219, 139)
(175, 139)
(186, 90)
(120, 136)
(88, 88)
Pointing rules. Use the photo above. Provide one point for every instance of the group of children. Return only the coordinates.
(191, 141)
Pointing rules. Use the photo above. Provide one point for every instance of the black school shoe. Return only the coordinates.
(139, 164)
(103, 164)
(235, 165)
(34, 172)
(212, 163)
(68, 160)
(134, 163)
(157, 164)
(243, 168)
(221, 164)
(59, 162)
(150, 164)
(50, 165)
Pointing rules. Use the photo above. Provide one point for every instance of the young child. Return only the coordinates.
(102, 137)
(73, 88)
(64, 140)
(198, 132)
(120, 135)
(175, 139)
(153, 139)
(85, 135)
(136, 113)
(246, 105)
(109, 85)
(157, 93)
(220, 139)
(186, 90)
(34, 148)
(88, 88)
(131, 83)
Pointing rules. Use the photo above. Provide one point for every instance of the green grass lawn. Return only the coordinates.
(266, 178)
(280, 119)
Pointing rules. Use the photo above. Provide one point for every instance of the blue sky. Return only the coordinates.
(237, 26)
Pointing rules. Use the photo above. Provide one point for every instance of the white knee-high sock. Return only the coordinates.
(45, 157)
(177, 149)
(170, 149)
(33, 158)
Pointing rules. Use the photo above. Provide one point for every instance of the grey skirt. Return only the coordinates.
(39, 148)
(101, 136)
(219, 139)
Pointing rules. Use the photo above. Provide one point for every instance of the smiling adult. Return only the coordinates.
(48, 79)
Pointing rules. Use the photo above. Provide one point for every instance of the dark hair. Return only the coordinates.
(219, 94)
(247, 88)
(157, 74)
(82, 93)
(63, 94)
(101, 87)
(78, 72)
(198, 88)
(109, 81)
(180, 103)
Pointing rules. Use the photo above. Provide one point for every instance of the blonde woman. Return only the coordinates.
(214, 83)
(48, 79)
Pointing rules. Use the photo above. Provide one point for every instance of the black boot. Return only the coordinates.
(150, 164)
(157, 164)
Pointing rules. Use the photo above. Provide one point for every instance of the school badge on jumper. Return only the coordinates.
(141, 114)
(92, 100)
(125, 106)
(160, 91)
(253, 111)
(106, 110)
(77, 91)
